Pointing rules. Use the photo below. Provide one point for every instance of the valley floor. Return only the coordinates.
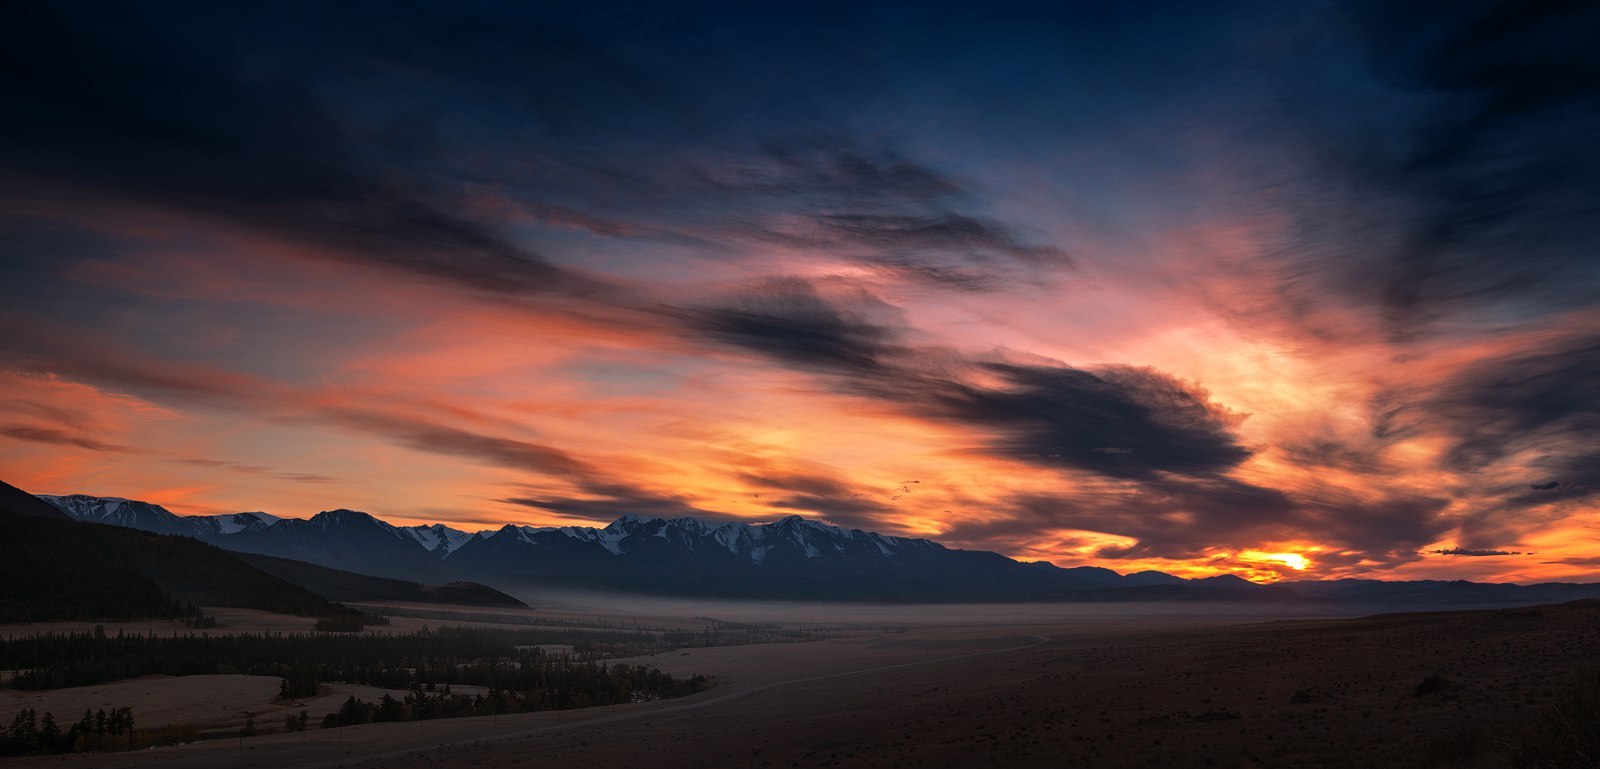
(1113, 692)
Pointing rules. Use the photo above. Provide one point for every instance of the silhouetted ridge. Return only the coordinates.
(337, 585)
(18, 502)
(52, 568)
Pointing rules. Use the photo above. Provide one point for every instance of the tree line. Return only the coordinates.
(561, 685)
(445, 656)
(29, 734)
(499, 659)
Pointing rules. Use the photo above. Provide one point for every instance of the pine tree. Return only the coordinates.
(50, 734)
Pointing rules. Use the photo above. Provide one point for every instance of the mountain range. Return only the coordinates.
(792, 558)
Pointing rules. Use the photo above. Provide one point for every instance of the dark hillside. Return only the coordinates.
(19, 502)
(57, 569)
(336, 585)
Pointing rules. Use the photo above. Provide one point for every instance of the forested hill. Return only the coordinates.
(56, 569)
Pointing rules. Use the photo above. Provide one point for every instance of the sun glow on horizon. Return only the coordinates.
(1294, 561)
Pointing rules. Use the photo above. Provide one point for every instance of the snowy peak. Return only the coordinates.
(116, 511)
(266, 518)
(640, 539)
(439, 539)
(630, 521)
(754, 542)
(232, 523)
(512, 532)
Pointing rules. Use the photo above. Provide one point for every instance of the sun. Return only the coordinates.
(1270, 560)
(1294, 561)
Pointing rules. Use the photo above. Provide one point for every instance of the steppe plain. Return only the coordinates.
(1027, 685)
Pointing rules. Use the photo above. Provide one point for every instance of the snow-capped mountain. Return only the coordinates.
(145, 516)
(792, 557)
(117, 511)
(439, 539)
(342, 539)
(789, 539)
(339, 539)
(789, 558)
(232, 523)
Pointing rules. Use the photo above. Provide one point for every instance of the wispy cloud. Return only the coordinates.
(52, 435)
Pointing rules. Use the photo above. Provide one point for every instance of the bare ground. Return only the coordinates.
(206, 702)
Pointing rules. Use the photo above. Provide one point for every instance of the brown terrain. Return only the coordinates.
(998, 690)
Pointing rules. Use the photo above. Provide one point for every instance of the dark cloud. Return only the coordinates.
(1388, 528)
(1588, 560)
(38, 434)
(120, 105)
(1533, 410)
(804, 483)
(1053, 415)
(1474, 189)
(789, 320)
(605, 501)
(605, 496)
(1497, 404)
(979, 239)
(840, 503)
(208, 115)
(1323, 448)
(1473, 552)
(1185, 517)
(1541, 401)
(1439, 177)
(1059, 415)
(1168, 516)
(308, 478)
(953, 250)
(1581, 465)
(440, 439)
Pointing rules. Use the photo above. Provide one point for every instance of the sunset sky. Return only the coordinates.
(1200, 287)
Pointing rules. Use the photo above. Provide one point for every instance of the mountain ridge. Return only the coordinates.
(792, 557)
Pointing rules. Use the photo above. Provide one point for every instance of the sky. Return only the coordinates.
(1275, 289)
